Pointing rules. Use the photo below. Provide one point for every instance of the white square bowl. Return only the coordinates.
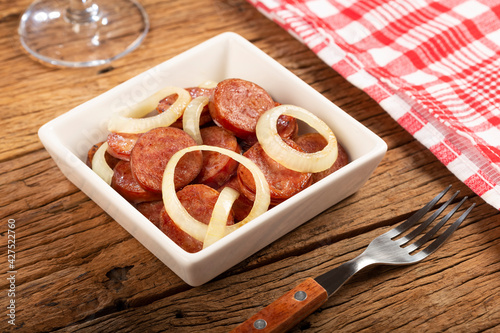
(68, 138)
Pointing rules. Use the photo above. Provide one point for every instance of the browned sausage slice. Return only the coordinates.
(120, 145)
(205, 117)
(283, 182)
(152, 152)
(199, 201)
(237, 104)
(313, 142)
(217, 167)
(151, 210)
(125, 184)
(287, 126)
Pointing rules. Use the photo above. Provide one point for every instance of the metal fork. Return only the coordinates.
(390, 248)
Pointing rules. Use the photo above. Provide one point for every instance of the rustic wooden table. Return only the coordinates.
(79, 270)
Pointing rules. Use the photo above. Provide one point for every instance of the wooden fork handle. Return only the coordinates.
(288, 310)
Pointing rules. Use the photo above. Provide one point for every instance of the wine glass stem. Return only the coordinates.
(82, 11)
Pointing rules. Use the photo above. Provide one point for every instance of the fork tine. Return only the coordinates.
(417, 216)
(445, 235)
(424, 225)
(435, 229)
(403, 240)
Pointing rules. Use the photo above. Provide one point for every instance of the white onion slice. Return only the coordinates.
(218, 220)
(192, 226)
(100, 166)
(277, 149)
(129, 120)
(208, 84)
(191, 118)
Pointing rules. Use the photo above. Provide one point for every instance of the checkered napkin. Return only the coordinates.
(434, 66)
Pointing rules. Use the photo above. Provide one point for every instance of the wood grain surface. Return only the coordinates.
(80, 271)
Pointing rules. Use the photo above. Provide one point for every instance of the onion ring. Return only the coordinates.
(129, 120)
(209, 84)
(100, 166)
(277, 149)
(191, 118)
(186, 222)
(218, 220)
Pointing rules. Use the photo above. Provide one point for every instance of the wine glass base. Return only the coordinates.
(57, 36)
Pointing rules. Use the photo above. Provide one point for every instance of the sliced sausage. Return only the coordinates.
(217, 167)
(199, 201)
(287, 126)
(241, 206)
(151, 210)
(125, 184)
(109, 159)
(167, 102)
(313, 142)
(120, 144)
(283, 182)
(152, 152)
(237, 104)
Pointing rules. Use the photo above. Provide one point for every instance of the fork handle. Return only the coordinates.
(288, 310)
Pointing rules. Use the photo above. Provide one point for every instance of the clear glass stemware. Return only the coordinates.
(82, 33)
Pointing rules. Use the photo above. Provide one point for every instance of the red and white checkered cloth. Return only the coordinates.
(434, 66)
